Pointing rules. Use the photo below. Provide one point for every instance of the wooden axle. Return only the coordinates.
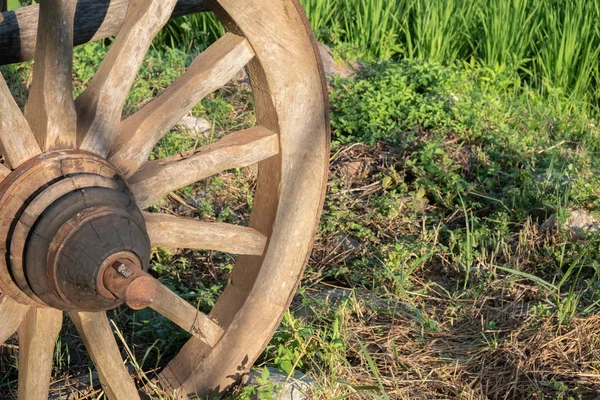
(94, 20)
(132, 285)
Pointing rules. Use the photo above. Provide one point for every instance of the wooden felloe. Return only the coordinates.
(76, 178)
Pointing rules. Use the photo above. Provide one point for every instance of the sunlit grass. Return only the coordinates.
(552, 44)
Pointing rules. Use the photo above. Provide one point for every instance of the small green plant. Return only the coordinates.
(265, 390)
(541, 310)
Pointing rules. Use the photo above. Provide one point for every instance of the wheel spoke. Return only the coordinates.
(139, 290)
(158, 178)
(37, 338)
(4, 172)
(18, 142)
(11, 315)
(211, 70)
(173, 233)
(50, 109)
(99, 340)
(186, 316)
(99, 108)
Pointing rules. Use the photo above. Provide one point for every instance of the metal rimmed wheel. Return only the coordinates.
(73, 233)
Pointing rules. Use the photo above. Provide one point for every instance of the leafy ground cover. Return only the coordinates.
(444, 267)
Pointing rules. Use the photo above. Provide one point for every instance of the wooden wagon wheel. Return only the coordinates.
(72, 231)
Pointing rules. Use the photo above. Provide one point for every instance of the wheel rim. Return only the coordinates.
(290, 144)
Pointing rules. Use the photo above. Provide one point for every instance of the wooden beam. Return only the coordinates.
(99, 340)
(50, 110)
(211, 70)
(37, 337)
(16, 137)
(182, 233)
(94, 20)
(158, 178)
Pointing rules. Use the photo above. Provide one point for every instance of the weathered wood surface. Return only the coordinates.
(158, 178)
(100, 106)
(94, 20)
(17, 139)
(95, 330)
(50, 110)
(291, 99)
(212, 69)
(291, 146)
(4, 172)
(31, 215)
(37, 337)
(186, 316)
(11, 315)
(33, 175)
(181, 233)
(139, 290)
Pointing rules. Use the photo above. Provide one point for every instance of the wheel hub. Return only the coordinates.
(66, 217)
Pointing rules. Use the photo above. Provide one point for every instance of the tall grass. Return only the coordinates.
(553, 44)
(320, 14)
(569, 47)
(372, 22)
(509, 30)
(191, 30)
(437, 29)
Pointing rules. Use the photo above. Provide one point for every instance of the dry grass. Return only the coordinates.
(521, 357)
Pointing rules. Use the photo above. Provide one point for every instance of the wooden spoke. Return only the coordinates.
(4, 172)
(88, 249)
(99, 108)
(186, 316)
(212, 69)
(37, 338)
(139, 290)
(158, 178)
(99, 340)
(50, 109)
(11, 315)
(18, 142)
(173, 232)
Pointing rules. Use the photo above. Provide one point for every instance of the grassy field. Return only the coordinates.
(12, 4)
(553, 45)
(444, 266)
(547, 42)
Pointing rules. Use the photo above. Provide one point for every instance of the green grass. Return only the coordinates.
(459, 167)
(552, 45)
(12, 4)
